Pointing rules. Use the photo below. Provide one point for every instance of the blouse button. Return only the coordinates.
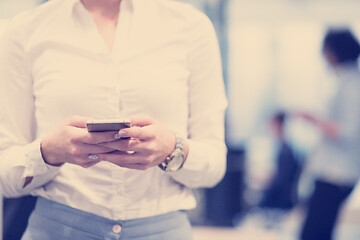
(116, 228)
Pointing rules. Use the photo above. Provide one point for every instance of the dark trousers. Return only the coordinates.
(323, 210)
(282, 191)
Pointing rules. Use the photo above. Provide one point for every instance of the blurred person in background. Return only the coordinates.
(155, 62)
(280, 195)
(336, 161)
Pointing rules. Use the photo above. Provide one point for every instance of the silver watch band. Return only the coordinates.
(179, 147)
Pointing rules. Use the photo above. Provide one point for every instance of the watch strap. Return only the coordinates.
(179, 147)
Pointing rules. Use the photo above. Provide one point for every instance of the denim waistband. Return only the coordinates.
(101, 226)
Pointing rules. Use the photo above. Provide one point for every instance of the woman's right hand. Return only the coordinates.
(72, 143)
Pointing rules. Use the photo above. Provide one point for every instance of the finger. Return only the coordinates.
(101, 137)
(77, 121)
(132, 144)
(121, 145)
(97, 137)
(141, 120)
(142, 133)
(84, 149)
(86, 160)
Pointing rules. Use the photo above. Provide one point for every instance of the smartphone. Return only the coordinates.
(103, 125)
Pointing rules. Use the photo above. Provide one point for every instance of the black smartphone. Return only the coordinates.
(103, 125)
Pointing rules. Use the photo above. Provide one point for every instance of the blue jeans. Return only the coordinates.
(52, 221)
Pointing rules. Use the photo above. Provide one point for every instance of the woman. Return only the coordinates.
(155, 62)
(336, 162)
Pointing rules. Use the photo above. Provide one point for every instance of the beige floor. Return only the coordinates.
(348, 229)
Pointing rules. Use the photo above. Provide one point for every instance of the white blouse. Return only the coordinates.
(165, 63)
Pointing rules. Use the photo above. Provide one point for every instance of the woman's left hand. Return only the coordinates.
(148, 145)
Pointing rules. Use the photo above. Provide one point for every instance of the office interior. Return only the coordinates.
(271, 53)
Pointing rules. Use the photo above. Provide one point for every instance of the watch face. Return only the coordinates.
(176, 161)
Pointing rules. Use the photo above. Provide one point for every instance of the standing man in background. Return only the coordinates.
(336, 161)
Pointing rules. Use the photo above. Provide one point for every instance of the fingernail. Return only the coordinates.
(93, 157)
(122, 133)
(117, 136)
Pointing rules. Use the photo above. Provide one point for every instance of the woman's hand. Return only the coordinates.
(149, 144)
(72, 143)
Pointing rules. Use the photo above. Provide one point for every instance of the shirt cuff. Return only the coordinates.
(35, 164)
(204, 166)
(193, 161)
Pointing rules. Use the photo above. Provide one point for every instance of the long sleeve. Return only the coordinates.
(206, 161)
(20, 155)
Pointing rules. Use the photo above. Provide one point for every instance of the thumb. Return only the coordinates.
(141, 120)
(77, 121)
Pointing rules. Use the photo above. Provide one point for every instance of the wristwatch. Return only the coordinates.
(176, 159)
